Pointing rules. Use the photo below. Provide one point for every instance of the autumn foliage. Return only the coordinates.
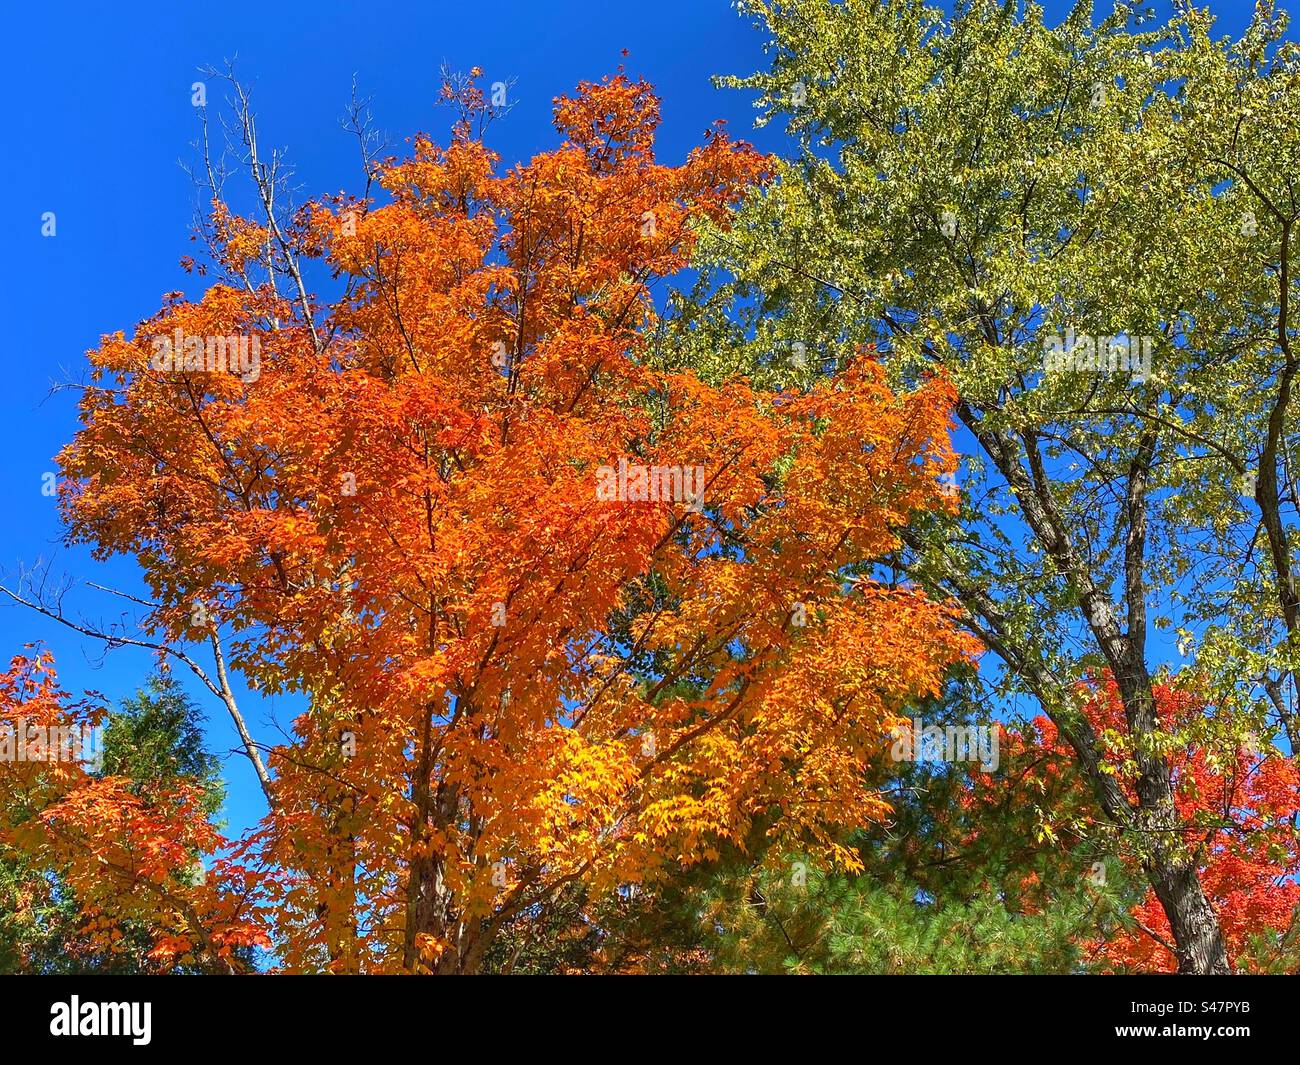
(126, 856)
(512, 681)
(1237, 806)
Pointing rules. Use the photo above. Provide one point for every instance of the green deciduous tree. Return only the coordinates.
(1090, 229)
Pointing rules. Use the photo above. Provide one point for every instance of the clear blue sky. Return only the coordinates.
(99, 115)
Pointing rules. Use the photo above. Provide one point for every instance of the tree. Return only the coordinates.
(957, 879)
(102, 841)
(1236, 811)
(560, 617)
(1089, 229)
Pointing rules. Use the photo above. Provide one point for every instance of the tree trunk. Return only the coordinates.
(1198, 941)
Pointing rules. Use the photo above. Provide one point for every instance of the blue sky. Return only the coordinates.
(100, 116)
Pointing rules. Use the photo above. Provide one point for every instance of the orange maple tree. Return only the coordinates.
(557, 614)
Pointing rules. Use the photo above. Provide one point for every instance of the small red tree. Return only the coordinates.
(1237, 812)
